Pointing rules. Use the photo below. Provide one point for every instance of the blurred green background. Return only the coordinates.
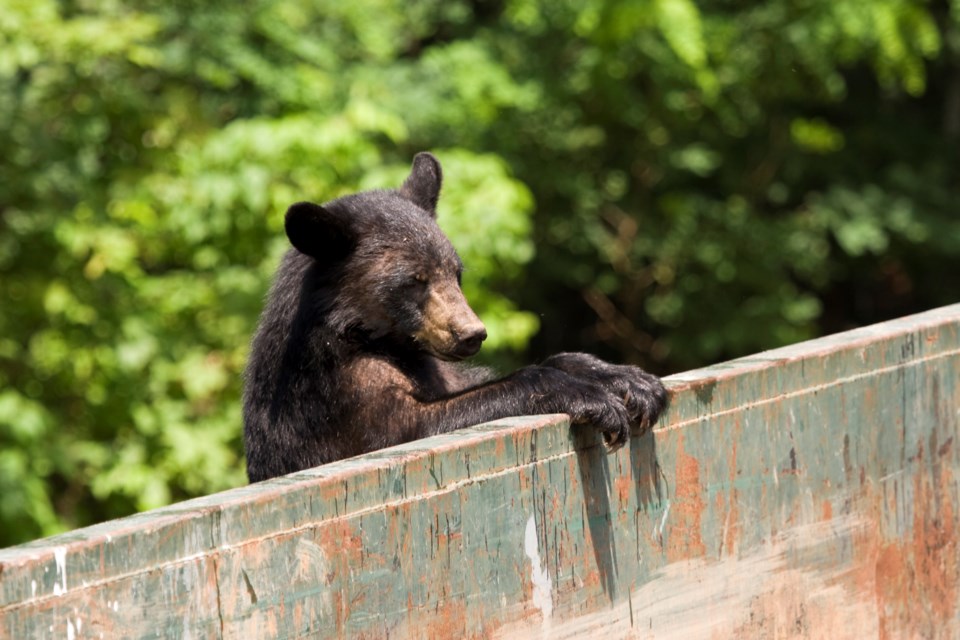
(665, 182)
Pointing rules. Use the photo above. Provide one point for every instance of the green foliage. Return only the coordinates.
(660, 181)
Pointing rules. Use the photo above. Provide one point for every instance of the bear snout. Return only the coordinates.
(450, 330)
(469, 340)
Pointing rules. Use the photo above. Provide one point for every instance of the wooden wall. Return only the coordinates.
(806, 492)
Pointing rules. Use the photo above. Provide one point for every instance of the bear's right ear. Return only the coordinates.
(319, 232)
(422, 186)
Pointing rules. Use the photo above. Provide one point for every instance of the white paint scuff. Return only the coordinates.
(658, 530)
(542, 584)
(60, 556)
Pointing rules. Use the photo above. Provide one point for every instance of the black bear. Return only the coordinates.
(359, 342)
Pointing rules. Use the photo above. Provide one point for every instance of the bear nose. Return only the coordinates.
(471, 339)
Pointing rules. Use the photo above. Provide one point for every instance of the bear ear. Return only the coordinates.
(422, 187)
(320, 232)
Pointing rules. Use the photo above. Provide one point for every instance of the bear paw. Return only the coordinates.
(642, 394)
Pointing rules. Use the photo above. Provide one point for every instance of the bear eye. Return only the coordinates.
(419, 281)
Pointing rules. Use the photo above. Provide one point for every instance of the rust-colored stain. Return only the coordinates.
(826, 510)
(917, 576)
(686, 510)
(339, 541)
(445, 620)
(731, 525)
(343, 552)
(623, 485)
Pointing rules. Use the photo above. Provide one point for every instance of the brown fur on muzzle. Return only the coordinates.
(451, 330)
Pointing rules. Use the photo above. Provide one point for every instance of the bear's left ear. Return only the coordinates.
(422, 187)
(324, 233)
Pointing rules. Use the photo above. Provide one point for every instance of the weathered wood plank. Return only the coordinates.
(809, 491)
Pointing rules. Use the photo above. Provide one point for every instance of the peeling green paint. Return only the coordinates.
(810, 491)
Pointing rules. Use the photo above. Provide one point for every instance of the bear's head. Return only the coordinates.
(396, 275)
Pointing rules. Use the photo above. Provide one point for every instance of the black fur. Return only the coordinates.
(356, 346)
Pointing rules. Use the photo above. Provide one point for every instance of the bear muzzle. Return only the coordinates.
(468, 342)
(451, 330)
